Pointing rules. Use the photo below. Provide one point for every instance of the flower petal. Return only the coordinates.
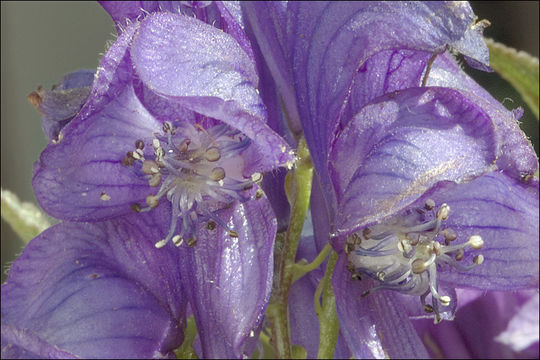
(268, 22)
(472, 333)
(504, 212)
(522, 330)
(229, 279)
(333, 40)
(81, 178)
(517, 158)
(374, 326)
(96, 290)
(206, 71)
(411, 140)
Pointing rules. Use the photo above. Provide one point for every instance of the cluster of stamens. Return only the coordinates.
(403, 254)
(198, 170)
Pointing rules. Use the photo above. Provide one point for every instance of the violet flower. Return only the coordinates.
(173, 121)
(402, 166)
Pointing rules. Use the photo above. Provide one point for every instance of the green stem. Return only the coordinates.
(302, 269)
(328, 322)
(278, 310)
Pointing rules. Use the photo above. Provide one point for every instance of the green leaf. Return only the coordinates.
(518, 68)
(25, 218)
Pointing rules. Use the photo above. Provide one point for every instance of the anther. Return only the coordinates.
(160, 243)
(128, 159)
(478, 259)
(459, 255)
(218, 173)
(449, 235)
(445, 300)
(192, 242)
(177, 240)
(136, 207)
(233, 233)
(152, 201)
(430, 204)
(210, 225)
(212, 154)
(150, 167)
(136, 155)
(139, 144)
(428, 308)
(444, 212)
(256, 177)
(476, 242)
(168, 127)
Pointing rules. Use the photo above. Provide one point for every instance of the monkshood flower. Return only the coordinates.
(166, 150)
(425, 181)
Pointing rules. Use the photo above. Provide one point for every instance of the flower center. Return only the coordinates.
(402, 254)
(198, 170)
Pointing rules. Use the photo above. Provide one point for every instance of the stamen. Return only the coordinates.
(404, 255)
(199, 170)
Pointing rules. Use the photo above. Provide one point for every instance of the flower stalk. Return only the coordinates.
(278, 308)
(326, 312)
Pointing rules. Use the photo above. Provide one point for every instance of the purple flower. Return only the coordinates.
(425, 182)
(167, 149)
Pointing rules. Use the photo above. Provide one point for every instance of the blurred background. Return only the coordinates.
(41, 41)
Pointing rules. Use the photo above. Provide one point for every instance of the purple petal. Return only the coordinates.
(374, 326)
(333, 41)
(95, 290)
(472, 333)
(268, 22)
(517, 157)
(504, 212)
(82, 177)
(222, 15)
(522, 330)
(228, 279)
(206, 71)
(410, 140)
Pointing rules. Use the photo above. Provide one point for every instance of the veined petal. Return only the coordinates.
(95, 290)
(473, 332)
(207, 71)
(504, 212)
(374, 326)
(81, 178)
(410, 140)
(228, 279)
(222, 15)
(268, 22)
(518, 158)
(333, 40)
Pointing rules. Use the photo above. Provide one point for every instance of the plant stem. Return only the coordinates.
(278, 309)
(328, 322)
